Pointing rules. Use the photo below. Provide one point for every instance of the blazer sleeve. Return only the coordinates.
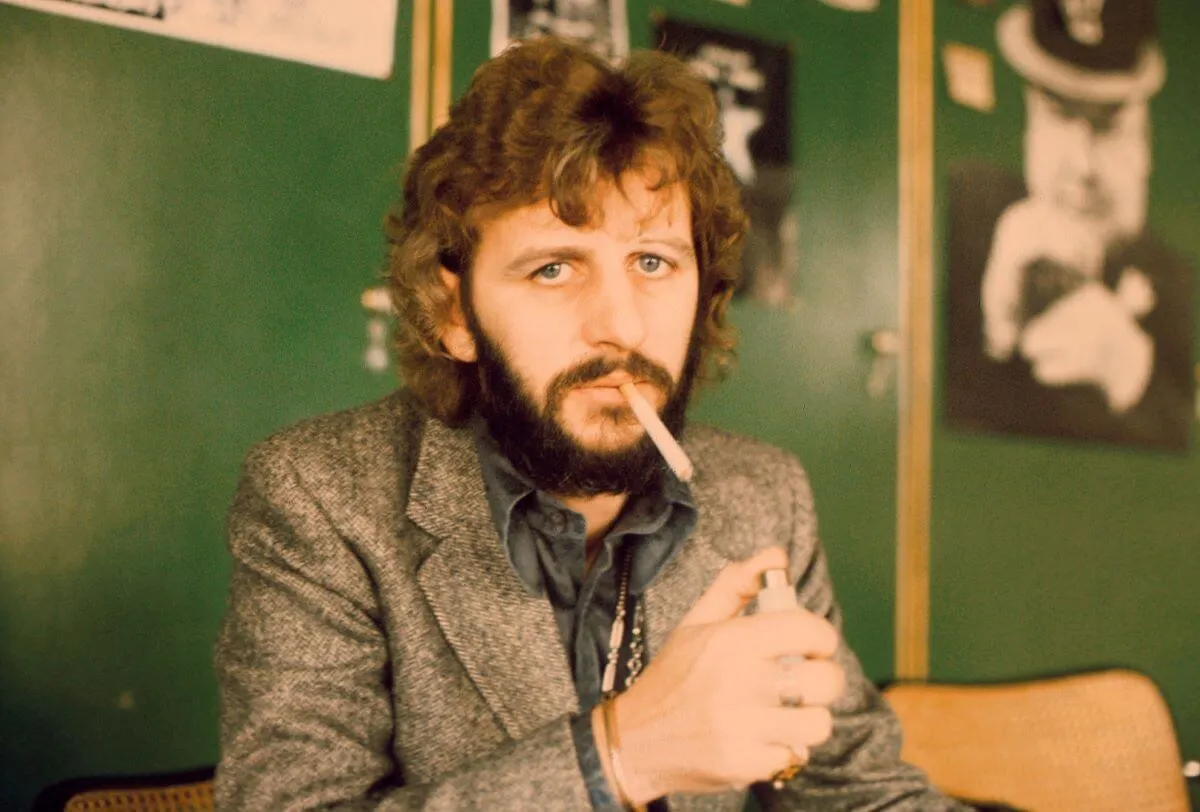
(302, 665)
(859, 767)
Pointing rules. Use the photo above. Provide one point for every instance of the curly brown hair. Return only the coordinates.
(548, 120)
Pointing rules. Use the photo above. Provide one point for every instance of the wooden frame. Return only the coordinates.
(915, 441)
(432, 44)
(418, 124)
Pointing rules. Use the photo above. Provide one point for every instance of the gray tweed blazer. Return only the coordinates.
(378, 651)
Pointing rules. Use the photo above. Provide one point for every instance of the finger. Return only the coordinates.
(799, 728)
(765, 763)
(808, 682)
(795, 632)
(789, 760)
(734, 587)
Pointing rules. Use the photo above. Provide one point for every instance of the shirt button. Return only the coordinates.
(558, 522)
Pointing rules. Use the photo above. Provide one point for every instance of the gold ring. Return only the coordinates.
(787, 773)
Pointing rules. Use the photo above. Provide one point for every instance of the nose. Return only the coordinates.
(612, 316)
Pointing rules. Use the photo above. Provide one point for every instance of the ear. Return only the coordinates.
(456, 336)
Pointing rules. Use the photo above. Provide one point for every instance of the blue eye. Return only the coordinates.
(650, 263)
(549, 273)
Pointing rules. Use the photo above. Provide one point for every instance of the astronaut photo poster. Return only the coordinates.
(752, 82)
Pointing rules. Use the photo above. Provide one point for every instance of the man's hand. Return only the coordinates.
(1090, 337)
(1030, 230)
(706, 715)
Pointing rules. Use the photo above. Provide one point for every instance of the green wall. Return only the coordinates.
(184, 235)
(1049, 557)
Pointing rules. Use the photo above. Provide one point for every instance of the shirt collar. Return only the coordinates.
(666, 512)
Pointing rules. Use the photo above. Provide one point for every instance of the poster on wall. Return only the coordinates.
(751, 79)
(1068, 316)
(600, 24)
(355, 36)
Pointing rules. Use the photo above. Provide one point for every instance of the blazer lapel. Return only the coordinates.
(506, 638)
(686, 577)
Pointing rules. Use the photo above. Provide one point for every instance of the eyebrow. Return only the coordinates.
(681, 245)
(543, 254)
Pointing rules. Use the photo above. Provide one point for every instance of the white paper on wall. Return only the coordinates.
(853, 5)
(969, 76)
(355, 36)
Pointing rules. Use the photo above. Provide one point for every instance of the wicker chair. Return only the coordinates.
(1102, 742)
(189, 791)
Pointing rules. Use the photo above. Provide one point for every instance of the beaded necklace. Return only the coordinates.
(637, 641)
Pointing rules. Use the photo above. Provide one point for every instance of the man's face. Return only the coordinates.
(1091, 160)
(559, 317)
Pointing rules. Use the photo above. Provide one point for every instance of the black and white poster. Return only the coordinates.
(752, 82)
(355, 36)
(600, 24)
(1067, 315)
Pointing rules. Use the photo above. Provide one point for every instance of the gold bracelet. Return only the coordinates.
(613, 740)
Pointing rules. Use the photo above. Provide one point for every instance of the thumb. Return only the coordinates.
(735, 586)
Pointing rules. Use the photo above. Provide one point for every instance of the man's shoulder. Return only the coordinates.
(751, 494)
(373, 437)
(724, 457)
(715, 442)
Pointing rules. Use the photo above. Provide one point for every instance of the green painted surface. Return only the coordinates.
(184, 235)
(1051, 557)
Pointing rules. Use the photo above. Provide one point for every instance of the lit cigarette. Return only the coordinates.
(672, 452)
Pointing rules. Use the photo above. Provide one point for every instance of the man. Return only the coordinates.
(487, 591)
(1068, 317)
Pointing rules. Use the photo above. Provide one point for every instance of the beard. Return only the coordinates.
(541, 449)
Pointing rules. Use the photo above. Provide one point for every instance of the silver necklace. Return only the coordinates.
(637, 642)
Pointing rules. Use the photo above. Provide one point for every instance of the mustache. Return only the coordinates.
(636, 365)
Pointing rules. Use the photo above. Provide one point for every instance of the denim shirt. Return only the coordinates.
(546, 544)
